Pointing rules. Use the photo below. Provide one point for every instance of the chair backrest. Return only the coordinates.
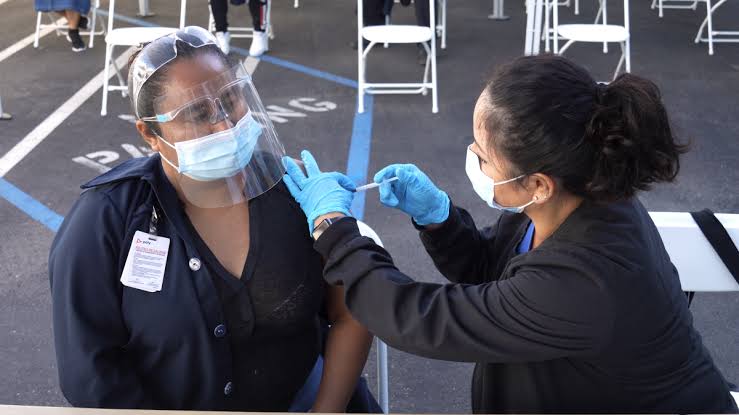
(604, 10)
(699, 266)
(111, 14)
(360, 18)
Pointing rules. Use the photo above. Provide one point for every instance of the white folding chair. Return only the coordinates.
(699, 266)
(128, 36)
(397, 34)
(674, 4)
(440, 21)
(717, 36)
(596, 33)
(549, 31)
(59, 28)
(245, 32)
(383, 394)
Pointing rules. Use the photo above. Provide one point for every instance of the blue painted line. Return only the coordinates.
(357, 163)
(300, 68)
(131, 20)
(30, 206)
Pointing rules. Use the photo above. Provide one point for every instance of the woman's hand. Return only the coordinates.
(413, 193)
(319, 194)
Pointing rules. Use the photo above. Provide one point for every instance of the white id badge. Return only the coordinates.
(147, 258)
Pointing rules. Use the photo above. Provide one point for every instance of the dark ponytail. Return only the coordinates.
(603, 142)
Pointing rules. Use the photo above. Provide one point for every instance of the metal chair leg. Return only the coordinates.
(4, 115)
(106, 78)
(38, 29)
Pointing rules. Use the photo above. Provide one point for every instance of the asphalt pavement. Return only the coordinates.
(307, 82)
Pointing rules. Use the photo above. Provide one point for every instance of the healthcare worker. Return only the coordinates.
(569, 303)
(186, 280)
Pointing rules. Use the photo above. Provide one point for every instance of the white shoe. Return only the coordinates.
(224, 40)
(259, 44)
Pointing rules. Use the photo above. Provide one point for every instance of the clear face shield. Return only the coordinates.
(226, 145)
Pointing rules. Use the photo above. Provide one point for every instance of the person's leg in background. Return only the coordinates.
(74, 13)
(260, 42)
(219, 8)
(422, 19)
(374, 12)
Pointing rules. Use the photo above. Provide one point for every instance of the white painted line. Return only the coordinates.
(250, 63)
(100, 168)
(3, 1)
(28, 40)
(35, 137)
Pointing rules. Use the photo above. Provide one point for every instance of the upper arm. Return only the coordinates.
(335, 306)
(89, 331)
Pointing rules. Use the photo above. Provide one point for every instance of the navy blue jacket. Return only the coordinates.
(119, 347)
(96, 318)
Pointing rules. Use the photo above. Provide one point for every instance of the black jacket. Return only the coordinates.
(592, 320)
(119, 347)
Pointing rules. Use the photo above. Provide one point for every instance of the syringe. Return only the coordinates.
(373, 185)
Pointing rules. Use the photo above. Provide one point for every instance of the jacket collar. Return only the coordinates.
(141, 168)
(149, 170)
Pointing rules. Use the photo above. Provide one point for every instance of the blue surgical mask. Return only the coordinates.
(485, 186)
(219, 155)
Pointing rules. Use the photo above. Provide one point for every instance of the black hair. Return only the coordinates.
(545, 114)
(155, 85)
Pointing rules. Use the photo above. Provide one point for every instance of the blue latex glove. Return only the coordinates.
(413, 193)
(318, 193)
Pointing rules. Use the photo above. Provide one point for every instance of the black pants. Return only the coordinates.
(374, 11)
(257, 8)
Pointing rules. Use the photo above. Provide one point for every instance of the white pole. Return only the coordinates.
(144, 10)
(498, 12)
(528, 47)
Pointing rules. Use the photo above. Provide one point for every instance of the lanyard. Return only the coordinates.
(154, 221)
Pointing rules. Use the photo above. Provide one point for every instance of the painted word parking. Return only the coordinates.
(103, 160)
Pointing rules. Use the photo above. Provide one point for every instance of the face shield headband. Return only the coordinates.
(160, 52)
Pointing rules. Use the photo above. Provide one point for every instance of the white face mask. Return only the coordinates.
(485, 186)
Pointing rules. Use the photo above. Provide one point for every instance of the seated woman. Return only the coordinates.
(74, 11)
(186, 280)
(258, 11)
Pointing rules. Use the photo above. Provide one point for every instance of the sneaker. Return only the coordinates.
(259, 44)
(83, 23)
(224, 41)
(73, 36)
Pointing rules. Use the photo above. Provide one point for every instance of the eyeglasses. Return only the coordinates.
(229, 102)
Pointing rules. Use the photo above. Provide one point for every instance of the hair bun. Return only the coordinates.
(634, 145)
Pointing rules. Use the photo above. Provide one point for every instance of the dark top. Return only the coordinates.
(272, 311)
(592, 320)
(182, 347)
